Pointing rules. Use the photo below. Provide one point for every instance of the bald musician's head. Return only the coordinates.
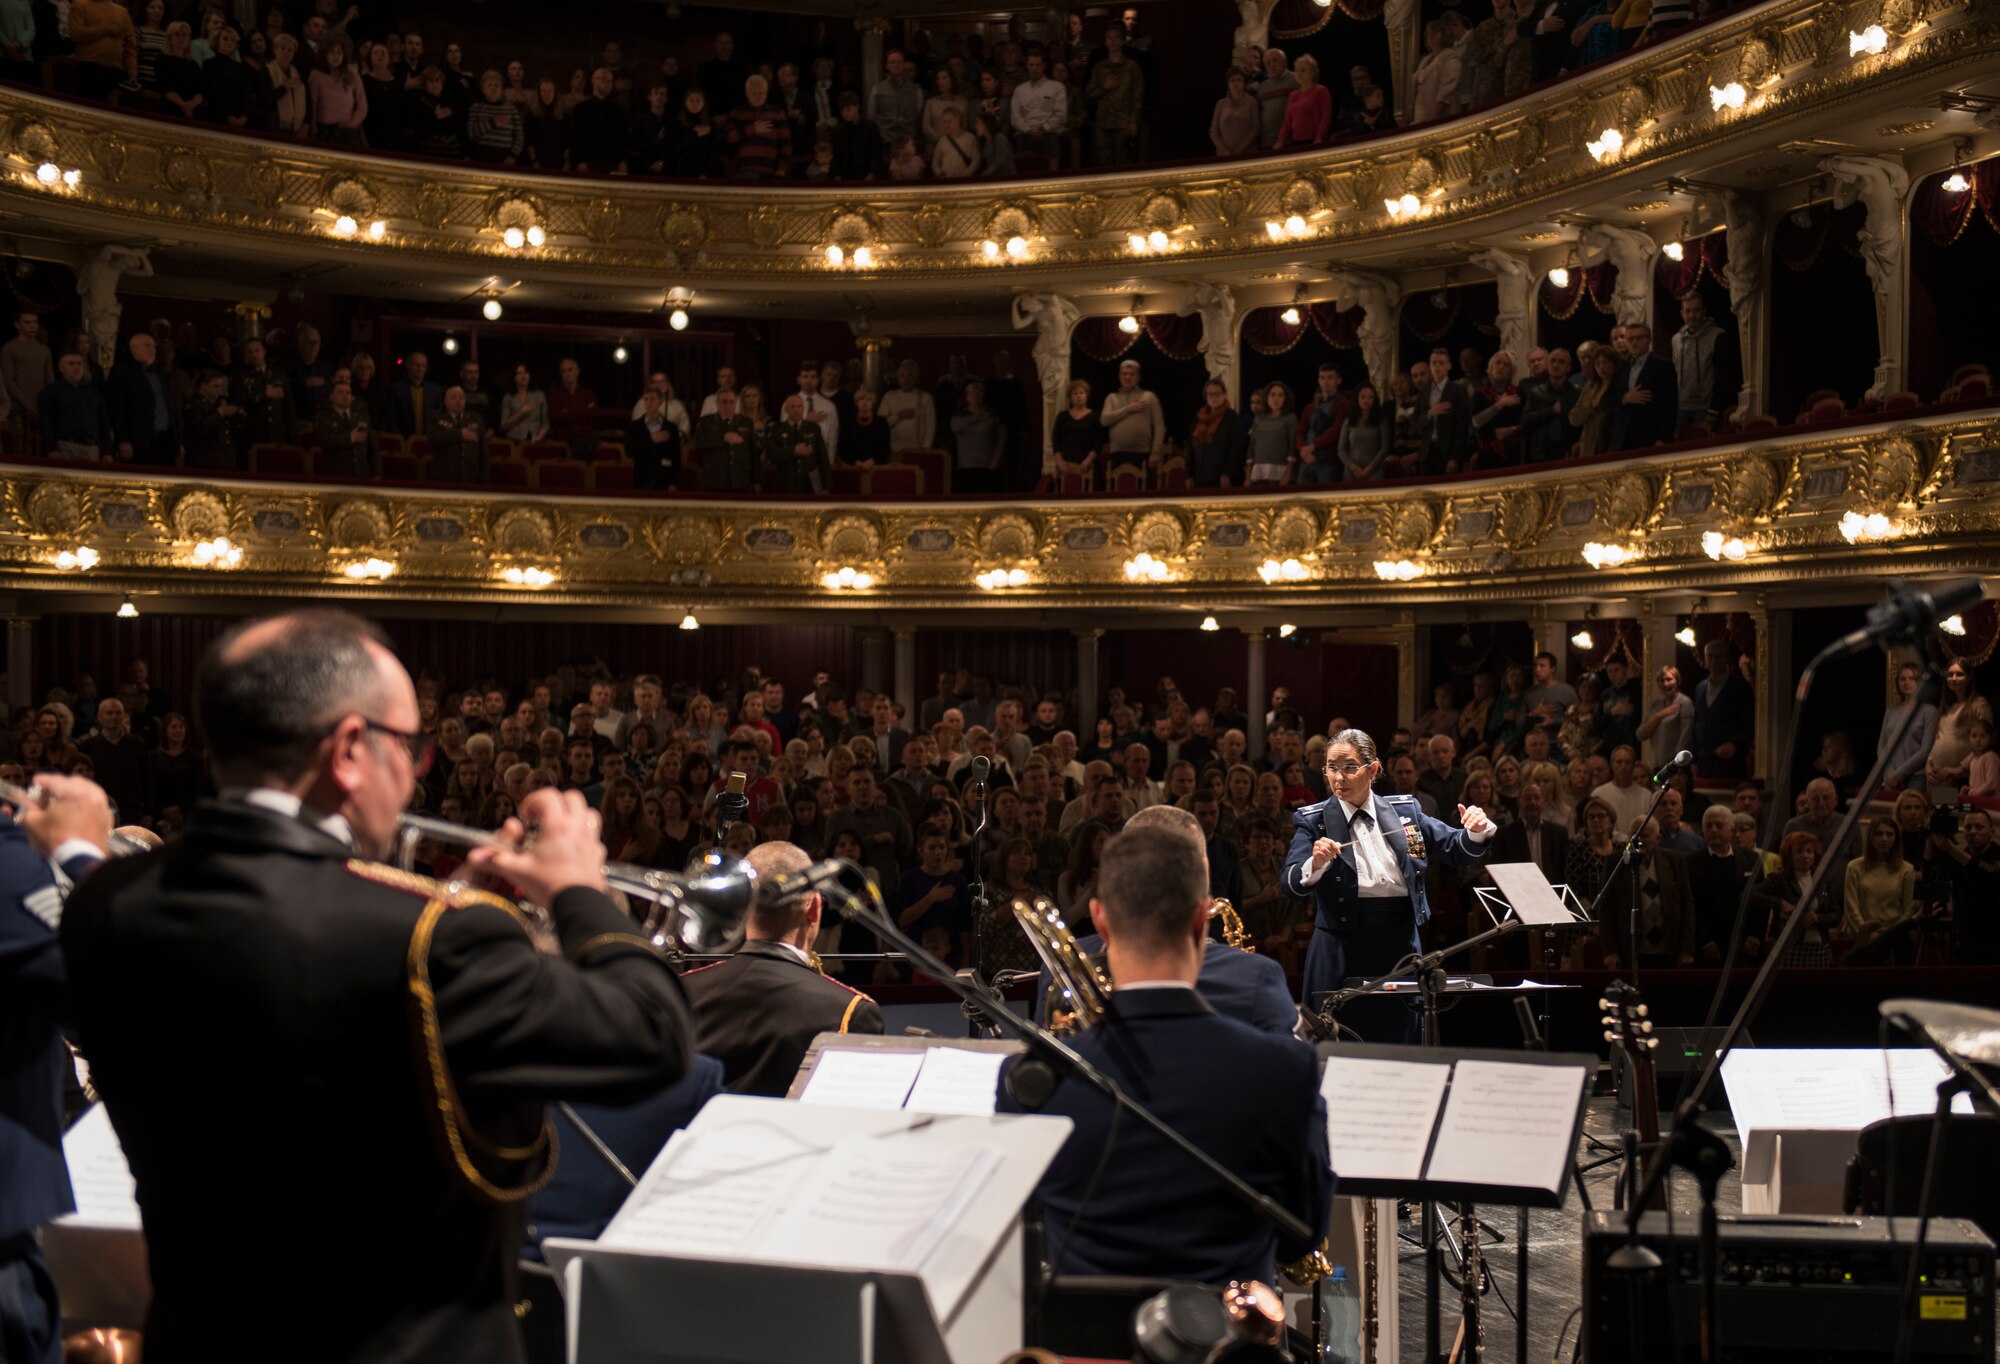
(794, 920)
(315, 704)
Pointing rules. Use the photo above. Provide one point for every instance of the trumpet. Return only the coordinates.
(122, 845)
(689, 913)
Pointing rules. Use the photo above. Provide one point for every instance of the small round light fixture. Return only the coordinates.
(1730, 96)
(1290, 317)
(835, 255)
(48, 173)
(377, 230)
(620, 354)
(515, 238)
(990, 249)
(1210, 624)
(1872, 41)
(1129, 324)
(491, 310)
(1685, 635)
(1674, 252)
(678, 319)
(127, 611)
(688, 622)
(1956, 183)
(864, 258)
(1017, 248)
(1583, 639)
(536, 236)
(345, 226)
(1560, 277)
(449, 345)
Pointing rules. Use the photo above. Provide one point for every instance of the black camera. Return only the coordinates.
(1944, 819)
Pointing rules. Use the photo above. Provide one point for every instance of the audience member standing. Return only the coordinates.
(1135, 430)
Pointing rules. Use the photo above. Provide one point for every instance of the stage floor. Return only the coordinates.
(1554, 1255)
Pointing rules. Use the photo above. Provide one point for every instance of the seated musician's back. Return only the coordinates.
(1248, 1098)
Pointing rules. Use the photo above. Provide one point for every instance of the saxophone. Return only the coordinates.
(1234, 934)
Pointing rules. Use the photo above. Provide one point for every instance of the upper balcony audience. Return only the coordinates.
(282, 404)
(317, 70)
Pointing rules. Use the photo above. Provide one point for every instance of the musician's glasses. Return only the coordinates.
(1348, 770)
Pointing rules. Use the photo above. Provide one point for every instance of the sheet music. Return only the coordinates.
(1832, 1089)
(955, 1080)
(863, 1079)
(1529, 894)
(1509, 1124)
(106, 1195)
(870, 1206)
(707, 1194)
(1379, 1115)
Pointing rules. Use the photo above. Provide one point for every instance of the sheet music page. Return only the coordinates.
(106, 1195)
(1507, 1123)
(954, 1080)
(845, 1078)
(1379, 1115)
(1528, 892)
(1914, 1075)
(875, 1203)
(708, 1194)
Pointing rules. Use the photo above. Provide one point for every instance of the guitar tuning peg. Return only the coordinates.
(1642, 1011)
(1646, 1026)
(1609, 1020)
(1652, 1043)
(1610, 1036)
(1603, 1003)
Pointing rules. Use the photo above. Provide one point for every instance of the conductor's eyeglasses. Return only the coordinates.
(421, 746)
(1348, 770)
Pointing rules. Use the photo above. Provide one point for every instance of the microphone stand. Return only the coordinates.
(1693, 1147)
(980, 907)
(1625, 858)
(1031, 1082)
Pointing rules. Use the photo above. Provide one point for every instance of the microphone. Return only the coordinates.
(1906, 615)
(982, 767)
(1675, 764)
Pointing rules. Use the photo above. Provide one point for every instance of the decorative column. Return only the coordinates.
(1632, 251)
(1053, 317)
(1551, 636)
(1883, 186)
(1773, 687)
(1658, 619)
(1405, 21)
(1257, 690)
(1216, 305)
(1378, 297)
(1516, 280)
(1412, 665)
(1255, 30)
(1087, 691)
(874, 32)
(872, 348)
(906, 677)
(872, 650)
(1748, 278)
(20, 663)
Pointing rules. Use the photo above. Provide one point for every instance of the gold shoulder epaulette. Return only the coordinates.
(453, 894)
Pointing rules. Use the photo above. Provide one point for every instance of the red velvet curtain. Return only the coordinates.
(1704, 254)
(1103, 340)
(1177, 338)
(1597, 283)
(1982, 632)
(1943, 215)
(1266, 331)
(1294, 19)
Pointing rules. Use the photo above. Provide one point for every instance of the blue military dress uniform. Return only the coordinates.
(1366, 937)
(35, 1188)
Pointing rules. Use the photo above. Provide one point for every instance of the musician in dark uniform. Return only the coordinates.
(1237, 984)
(73, 832)
(1248, 1098)
(1360, 857)
(759, 1011)
(328, 1075)
(458, 442)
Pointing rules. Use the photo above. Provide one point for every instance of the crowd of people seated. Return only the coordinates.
(943, 107)
(1556, 766)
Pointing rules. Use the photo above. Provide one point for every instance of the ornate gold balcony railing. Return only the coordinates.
(1790, 58)
(1773, 513)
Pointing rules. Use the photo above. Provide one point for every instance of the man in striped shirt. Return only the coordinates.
(758, 134)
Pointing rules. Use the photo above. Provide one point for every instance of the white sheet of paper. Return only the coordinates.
(877, 1204)
(1529, 894)
(955, 1080)
(1508, 1124)
(106, 1195)
(1379, 1115)
(709, 1194)
(1830, 1089)
(862, 1079)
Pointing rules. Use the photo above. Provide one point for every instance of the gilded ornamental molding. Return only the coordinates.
(1769, 513)
(1742, 83)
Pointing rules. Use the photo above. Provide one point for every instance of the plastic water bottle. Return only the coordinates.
(1340, 1314)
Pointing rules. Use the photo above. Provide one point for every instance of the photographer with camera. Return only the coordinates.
(1975, 881)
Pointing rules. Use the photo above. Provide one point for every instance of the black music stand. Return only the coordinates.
(1387, 1102)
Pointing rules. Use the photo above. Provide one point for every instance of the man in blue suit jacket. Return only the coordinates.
(1247, 1098)
(1236, 984)
(72, 833)
(1360, 857)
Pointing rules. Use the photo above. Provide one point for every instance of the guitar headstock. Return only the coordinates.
(1626, 1023)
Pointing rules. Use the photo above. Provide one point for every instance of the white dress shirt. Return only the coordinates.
(1377, 874)
(830, 428)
